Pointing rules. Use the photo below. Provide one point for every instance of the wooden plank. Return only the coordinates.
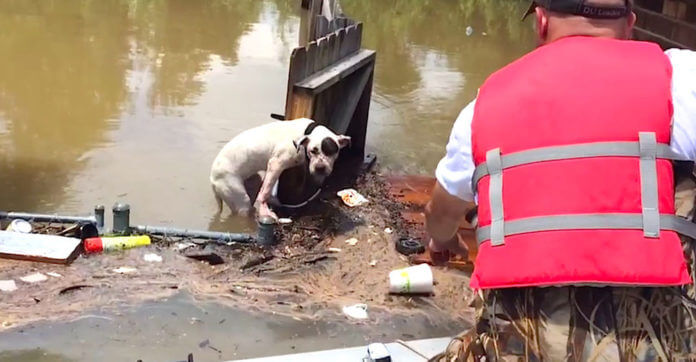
(324, 57)
(297, 72)
(37, 247)
(322, 27)
(311, 60)
(302, 106)
(332, 75)
(353, 91)
(665, 43)
(351, 43)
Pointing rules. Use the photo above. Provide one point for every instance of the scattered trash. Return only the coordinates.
(408, 246)
(373, 263)
(377, 352)
(74, 287)
(484, 34)
(55, 275)
(284, 221)
(153, 258)
(352, 198)
(8, 286)
(357, 311)
(125, 270)
(205, 255)
(257, 261)
(412, 280)
(334, 250)
(97, 245)
(352, 241)
(19, 226)
(469, 31)
(183, 246)
(37, 247)
(388, 230)
(34, 278)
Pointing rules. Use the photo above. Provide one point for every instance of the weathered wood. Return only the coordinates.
(330, 81)
(332, 75)
(665, 30)
(346, 109)
(302, 106)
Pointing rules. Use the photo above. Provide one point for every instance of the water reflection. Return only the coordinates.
(132, 99)
(428, 69)
(62, 77)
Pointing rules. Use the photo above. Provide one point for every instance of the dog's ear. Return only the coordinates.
(343, 141)
(301, 142)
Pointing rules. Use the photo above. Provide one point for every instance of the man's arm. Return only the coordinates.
(684, 101)
(443, 215)
(452, 197)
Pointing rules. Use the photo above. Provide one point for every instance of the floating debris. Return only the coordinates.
(284, 221)
(125, 270)
(8, 286)
(206, 255)
(352, 198)
(152, 258)
(469, 31)
(357, 311)
(183, 246)
(352, 241)
(34, 278)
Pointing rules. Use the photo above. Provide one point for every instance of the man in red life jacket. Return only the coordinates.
(569, 152)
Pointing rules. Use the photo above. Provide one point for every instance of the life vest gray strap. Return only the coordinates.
(648, 184)
(583, 150)
(495, 195)
(588, 222)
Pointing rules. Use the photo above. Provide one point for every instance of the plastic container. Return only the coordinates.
(412, 280)
(19, 226)
(97, 245)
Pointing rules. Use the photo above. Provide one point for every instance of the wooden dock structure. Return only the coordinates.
(330, 81)
(670, 23)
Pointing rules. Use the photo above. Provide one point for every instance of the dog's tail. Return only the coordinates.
(218, 199)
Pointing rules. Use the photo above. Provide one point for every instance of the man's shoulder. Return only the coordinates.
(681, 57)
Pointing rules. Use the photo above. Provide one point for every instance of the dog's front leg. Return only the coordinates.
(273, 171)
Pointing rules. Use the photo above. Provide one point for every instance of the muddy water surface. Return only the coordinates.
(115, 100)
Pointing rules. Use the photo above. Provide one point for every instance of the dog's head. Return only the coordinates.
(321, 148)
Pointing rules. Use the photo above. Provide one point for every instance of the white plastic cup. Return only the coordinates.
(412, 280)
(19, 226)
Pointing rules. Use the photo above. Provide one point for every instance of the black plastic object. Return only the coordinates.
(408, 246)
(88, 231)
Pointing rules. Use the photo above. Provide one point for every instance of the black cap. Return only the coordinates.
(582, 8)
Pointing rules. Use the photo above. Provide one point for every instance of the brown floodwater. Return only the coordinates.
(130, 100)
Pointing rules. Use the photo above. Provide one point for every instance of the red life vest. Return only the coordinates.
(574, 173)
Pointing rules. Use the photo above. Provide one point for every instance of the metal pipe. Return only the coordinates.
(48, 218)
(266, 233)
(196, 234)
(121, 219)
(99, 216)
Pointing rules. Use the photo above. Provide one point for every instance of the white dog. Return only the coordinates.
(267, 151)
